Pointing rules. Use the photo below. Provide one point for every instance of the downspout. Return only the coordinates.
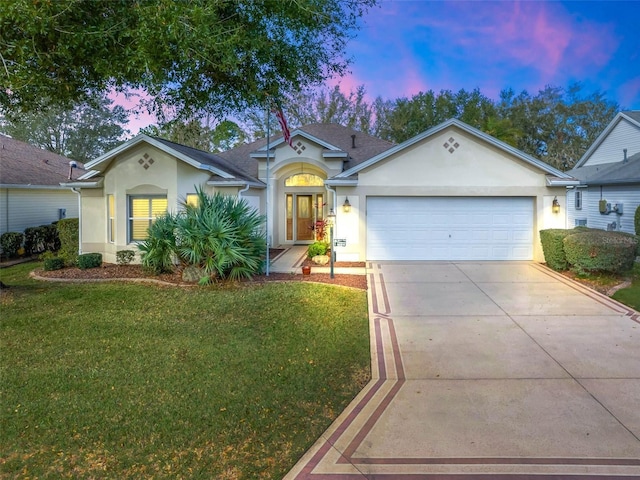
(77, 192)
(245, 189)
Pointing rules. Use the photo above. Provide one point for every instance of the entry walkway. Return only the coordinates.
(290, 261)
(485, 371)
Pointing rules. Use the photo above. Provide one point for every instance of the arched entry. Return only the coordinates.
(304, 206)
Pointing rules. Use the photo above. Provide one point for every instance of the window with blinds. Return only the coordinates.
(111, 219)
(143, 210)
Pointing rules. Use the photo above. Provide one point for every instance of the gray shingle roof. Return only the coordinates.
(24, 164)
(610, 173)
(212, 159)
(367, 146)
(635, 114)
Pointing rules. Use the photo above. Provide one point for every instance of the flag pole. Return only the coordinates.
(267, 199)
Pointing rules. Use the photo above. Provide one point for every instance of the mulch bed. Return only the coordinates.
(110, 271)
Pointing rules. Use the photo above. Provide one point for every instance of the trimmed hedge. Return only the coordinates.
(600, 251)
(553, 247)
(89, 260)
(55, 263)
(636, 220)
(11, 242)
(68, 231)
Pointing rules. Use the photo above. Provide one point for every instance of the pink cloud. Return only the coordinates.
(541, 35)
(139, 117)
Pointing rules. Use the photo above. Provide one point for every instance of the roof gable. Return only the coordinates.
(334, 138)
(481, 136)
(623, 126)
(26, 165)
(199, 159)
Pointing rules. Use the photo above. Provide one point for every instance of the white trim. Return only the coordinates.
(341, 182)
(617, 119)
(234, 183)
(159, 145)
(96, 184)
(33, 187)
(302, 133)
(467, 128)
(334, 154)
(562, 182)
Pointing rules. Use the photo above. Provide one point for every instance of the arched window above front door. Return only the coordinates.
(304, 180)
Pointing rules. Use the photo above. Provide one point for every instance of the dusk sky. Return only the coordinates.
(408, 46)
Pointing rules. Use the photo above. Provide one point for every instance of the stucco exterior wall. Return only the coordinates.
(474, 169)
(125, 176)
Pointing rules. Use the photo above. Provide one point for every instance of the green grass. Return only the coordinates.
(631, 295)
(131, 381)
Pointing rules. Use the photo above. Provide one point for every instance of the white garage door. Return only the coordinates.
(449, 228)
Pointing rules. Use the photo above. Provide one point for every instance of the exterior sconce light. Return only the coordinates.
(346, 206)
(555, 206)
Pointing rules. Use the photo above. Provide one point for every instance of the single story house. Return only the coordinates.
(450, 193)
(30, 190)
(609, 174)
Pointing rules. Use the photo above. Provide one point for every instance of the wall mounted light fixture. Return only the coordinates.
(346, 206)
(555, 206)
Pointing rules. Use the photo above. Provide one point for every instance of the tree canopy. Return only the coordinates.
(81, 132)
(213, 55)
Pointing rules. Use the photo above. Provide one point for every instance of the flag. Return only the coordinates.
(283, 124)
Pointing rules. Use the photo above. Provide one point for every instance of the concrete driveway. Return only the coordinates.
(489, 370)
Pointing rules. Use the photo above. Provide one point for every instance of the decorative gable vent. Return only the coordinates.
(299, 147)
(451, 145)
(146, 161)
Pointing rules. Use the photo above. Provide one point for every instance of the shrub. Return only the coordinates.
(636, 220)
(51, 238)
(317, 248)
(553, 247)
(54, 263)
(34, 240)
(222, 235)
(600, 251)
(89, 260)
(125, 257)
(11, 242)
(68, 232)
(158, 250)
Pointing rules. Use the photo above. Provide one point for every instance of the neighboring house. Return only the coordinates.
(30, 190)
(609, 174)
(451, 193)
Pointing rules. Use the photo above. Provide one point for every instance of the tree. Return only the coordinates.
(197, 133)
(202, 55)
(82, 132)
(405, 118)
(321, 105)
(557, 125)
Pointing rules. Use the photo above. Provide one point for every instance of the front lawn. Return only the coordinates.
(631, 295)
(135, 381)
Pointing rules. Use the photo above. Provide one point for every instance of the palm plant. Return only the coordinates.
(158, 250)
(222, 235)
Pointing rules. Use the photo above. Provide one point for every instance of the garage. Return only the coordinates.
(450, 228)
